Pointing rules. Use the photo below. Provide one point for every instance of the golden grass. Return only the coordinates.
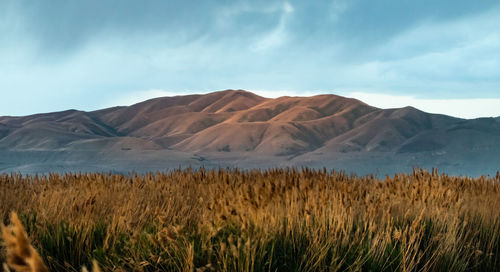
(276, 220)
(21, 256)
(95, 267)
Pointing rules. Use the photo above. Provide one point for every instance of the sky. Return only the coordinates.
(439, 56)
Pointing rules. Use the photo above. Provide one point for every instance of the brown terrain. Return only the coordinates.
(235, 128)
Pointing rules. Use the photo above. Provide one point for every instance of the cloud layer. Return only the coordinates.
(462, 108)
(85, 54)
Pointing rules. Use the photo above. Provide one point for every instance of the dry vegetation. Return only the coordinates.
(277, 220)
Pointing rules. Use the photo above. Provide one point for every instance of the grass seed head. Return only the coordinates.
(21, 256)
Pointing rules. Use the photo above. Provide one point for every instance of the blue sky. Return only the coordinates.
(440, 56)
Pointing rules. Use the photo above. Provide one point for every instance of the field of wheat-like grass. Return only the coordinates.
(234, 220)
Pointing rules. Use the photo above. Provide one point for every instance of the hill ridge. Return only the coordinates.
(238, 127)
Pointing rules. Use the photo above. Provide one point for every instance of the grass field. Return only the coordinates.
(276, 220)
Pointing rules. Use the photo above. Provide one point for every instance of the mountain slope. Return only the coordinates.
(239, 128)
(50, 131)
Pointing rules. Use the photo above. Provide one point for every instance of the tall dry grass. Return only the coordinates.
(276, 220)
(21, 256)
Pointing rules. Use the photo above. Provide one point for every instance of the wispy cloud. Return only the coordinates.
(278, 35)
(338, 7)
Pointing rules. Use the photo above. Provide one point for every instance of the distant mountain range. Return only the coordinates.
(236, 128)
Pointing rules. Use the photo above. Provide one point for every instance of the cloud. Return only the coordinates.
(338, 7)
(65, 26)
(462, 108)
(77, 54)
(278, 35)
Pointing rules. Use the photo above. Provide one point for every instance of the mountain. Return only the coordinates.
(238, 128)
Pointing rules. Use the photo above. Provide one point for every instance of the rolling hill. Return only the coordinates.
(238, 128)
